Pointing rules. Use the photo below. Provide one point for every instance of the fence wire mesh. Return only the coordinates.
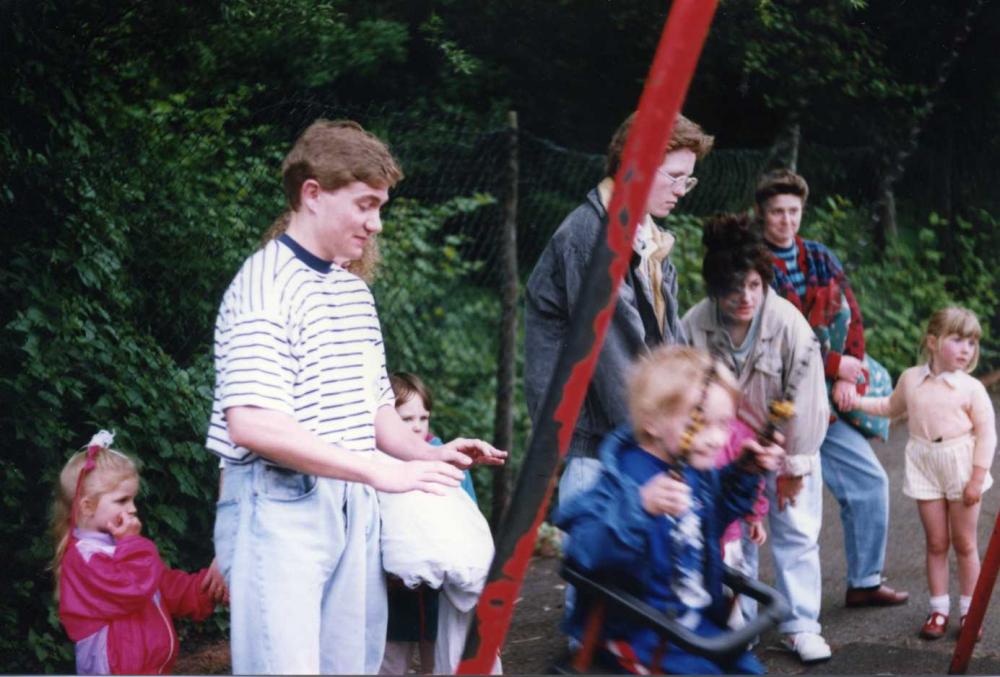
(439, 299)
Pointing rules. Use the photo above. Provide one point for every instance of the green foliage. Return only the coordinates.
(138, 168)
(110, 315)
(438, 322)
(897, 295)
(798, 56)
(687, 256)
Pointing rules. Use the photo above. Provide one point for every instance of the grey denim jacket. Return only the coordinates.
(550, 299)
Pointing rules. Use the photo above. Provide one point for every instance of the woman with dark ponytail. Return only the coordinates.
(767, 343)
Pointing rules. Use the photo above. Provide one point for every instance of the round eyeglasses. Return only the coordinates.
(688, 182)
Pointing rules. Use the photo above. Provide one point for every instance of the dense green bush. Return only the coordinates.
(899, 289)
(110, 299)
(440, 323)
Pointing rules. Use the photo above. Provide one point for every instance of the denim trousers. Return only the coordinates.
(855, 477)
(580, 474)
(794, 538)
(302, 560)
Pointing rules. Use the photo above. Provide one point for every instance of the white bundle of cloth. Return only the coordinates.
(441, 541)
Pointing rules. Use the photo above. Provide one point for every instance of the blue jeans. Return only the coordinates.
(580, 474)
(857, 480)
(302, 560)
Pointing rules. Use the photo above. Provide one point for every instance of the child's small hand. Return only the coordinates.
(663, 495)
(973, 490)
(972, 493)
(757, 532)
(124, 524)
(215, 584)
(845, 395)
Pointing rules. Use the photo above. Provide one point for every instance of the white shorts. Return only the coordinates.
(936, 470)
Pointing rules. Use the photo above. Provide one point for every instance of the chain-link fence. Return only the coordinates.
(440, 302)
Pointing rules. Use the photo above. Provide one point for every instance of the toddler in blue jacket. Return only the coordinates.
(654, 519)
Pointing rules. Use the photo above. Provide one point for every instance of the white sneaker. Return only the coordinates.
(809, 646)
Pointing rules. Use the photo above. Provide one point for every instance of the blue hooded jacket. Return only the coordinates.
(611, 535)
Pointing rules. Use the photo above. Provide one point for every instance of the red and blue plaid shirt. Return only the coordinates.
(824, 277)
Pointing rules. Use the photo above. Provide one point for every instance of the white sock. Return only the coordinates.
(941, 604)
(964, 602)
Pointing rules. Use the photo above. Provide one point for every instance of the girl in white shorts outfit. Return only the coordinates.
(948, 456)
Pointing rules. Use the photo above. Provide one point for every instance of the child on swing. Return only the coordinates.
(655, 517)
(949, 454)
(116, 596)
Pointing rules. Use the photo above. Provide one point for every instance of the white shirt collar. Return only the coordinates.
(952, 378)
(643, 243)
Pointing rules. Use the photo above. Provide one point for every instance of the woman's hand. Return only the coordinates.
(851, 369)
(787, 488)
(765, 458)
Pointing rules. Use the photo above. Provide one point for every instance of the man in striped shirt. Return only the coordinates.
(302, 400)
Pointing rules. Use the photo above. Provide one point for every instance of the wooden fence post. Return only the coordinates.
(503, 421)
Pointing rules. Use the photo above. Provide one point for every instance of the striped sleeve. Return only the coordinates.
(255, 366)
(386, 397)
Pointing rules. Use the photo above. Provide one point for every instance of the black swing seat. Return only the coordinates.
(605, 598)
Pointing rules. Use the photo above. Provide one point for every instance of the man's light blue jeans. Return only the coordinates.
(301, 557)
(855, 477)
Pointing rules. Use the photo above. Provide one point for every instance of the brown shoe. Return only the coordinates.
(961, 624)
(883, 595)
(934, 626)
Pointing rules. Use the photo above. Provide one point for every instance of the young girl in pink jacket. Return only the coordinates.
(116, 596)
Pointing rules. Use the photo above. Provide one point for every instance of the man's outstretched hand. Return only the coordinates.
(463, 452)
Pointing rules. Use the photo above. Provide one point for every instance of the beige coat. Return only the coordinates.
(783, 340)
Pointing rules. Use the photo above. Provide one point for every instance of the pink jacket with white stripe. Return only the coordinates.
(117, 600)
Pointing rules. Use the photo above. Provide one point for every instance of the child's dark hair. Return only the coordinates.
(405, 385)
(733, 248)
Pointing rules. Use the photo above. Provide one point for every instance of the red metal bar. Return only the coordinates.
(666, 86)
(591, 636)
(980, 600)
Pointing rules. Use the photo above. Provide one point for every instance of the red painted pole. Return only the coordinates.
(980, 600)
(666, 86)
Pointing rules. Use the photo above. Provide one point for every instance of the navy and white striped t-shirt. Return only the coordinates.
(299, 335)
(790, 255)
